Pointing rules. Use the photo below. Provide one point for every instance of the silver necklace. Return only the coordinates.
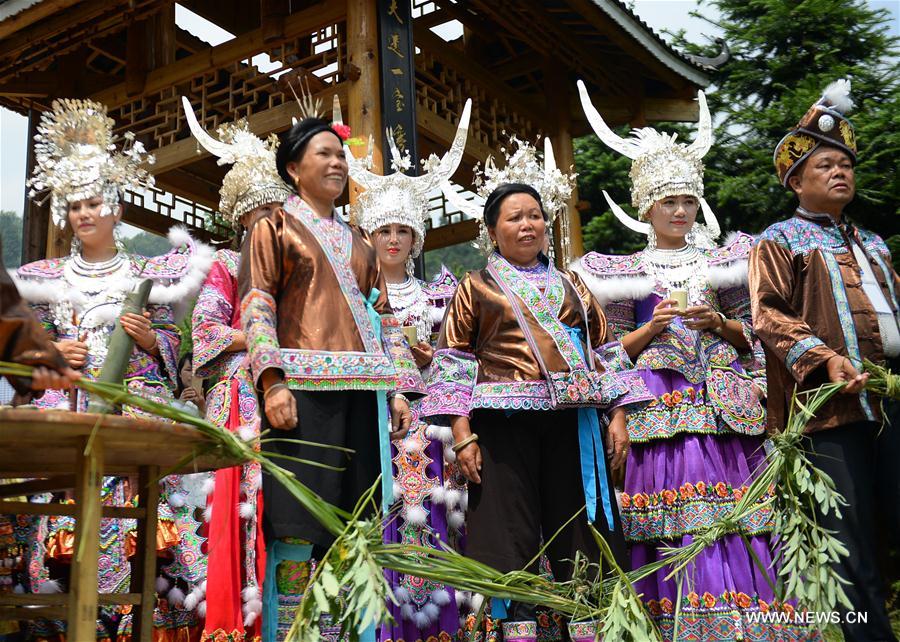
(683, 269)
(410, 306)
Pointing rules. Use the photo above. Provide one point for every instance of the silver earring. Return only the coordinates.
(75, 246)
(651, 238)
(410, 265)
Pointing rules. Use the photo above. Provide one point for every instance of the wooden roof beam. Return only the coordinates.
(245, 46)
(449, 54)
(185, 151)
(33, 14)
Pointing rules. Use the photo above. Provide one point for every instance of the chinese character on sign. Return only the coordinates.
(392, 11)
(400, 136)
(396, 71)
(394, 44)
(399, 100)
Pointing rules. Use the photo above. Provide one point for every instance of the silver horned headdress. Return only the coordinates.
(76, 158)
(253, 180)
(660, 167)
(522, 166)
(402, 199)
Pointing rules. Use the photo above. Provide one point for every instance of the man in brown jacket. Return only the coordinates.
(824, 297)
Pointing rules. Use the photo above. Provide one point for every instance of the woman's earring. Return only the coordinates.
(410, 265)
(651, 238)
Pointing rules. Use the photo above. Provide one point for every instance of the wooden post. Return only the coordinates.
(364, 95)
(557, 88)
(162, 37)
(35, 218)
(82, 617)
(59, 241)
(271, 18)
(143, 578)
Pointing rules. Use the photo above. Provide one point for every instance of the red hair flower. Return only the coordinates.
(341, 130)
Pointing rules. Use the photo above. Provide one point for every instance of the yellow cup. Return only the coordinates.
(681, 297)
(411, 334)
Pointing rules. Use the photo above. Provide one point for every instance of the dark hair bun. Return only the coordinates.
(496, 198)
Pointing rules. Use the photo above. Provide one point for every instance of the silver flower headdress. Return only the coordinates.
(398, 198)
(522, 166)
(660, 167)
(253, 180)
(76, 159)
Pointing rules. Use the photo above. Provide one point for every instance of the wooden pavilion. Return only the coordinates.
(517, 59)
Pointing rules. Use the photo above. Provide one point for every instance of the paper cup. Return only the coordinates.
(411, 334)
(681, 297)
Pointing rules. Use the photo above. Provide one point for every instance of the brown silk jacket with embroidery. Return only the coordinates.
(298, 320)
(809, 305)
(22, 339)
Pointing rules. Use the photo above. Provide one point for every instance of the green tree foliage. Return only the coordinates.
(11, 237)
(459, 259)
(147, 244)
(784, 53)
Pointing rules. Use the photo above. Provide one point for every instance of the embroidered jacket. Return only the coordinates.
(74, 306)
(483, 359)
(624, 283)
(308, 288)
(809, 305)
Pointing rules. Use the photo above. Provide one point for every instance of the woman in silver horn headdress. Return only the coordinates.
(79, 300)
(250, 190)
(681, 310)
(393, 210)
(325, 351)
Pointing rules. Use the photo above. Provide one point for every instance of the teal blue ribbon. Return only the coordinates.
(499, 608)
(384, 427)
(593, 458)
(277, 552)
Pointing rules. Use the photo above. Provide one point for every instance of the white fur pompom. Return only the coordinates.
(176, 596)
(252, 606)
(191, 601)
(207, 514)
(438, 494)
(415, 515)
(397, 489)
(246, 510)
(250, 593)
(449, 455)
(246, 433)
(453, 498)
(462, 597)
(203, 587)
(407, 611)
(412, 446)
(209, 484)
(421, 620)
(432, 610)
(464, 500)
(177, 500)
(432, 431)
(446, 436)
(162, 585)
(50, 586)
(476, 601)
(201, 609)
(402, 595)
(456, 519)
(441, 597)
(838, 95)
(249, 619)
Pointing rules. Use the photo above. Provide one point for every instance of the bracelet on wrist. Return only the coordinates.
(724, 321)
(465, 442)
(399, 395)
(274, 386)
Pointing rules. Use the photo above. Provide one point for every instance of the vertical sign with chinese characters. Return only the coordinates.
(398, 77)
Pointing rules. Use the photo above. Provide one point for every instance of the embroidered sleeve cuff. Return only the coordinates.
(211, 340)
(167, 341)
(453, 377)
(614, 357)
(805, 356)
(636, 390)
(409, 379)
(258, 318)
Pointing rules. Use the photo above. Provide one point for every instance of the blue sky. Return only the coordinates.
(659, 14)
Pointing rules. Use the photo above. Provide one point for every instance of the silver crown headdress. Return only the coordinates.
(76, 159)
(398, 198)
(254, 180)
(660, 167)
(522, 166)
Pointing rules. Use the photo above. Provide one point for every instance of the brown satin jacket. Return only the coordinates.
(809, 305)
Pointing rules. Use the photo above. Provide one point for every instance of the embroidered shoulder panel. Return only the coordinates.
(442, 286)
(230, 259)
(613, 265)
(737, 248)
(44, 269)
(802, 237)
